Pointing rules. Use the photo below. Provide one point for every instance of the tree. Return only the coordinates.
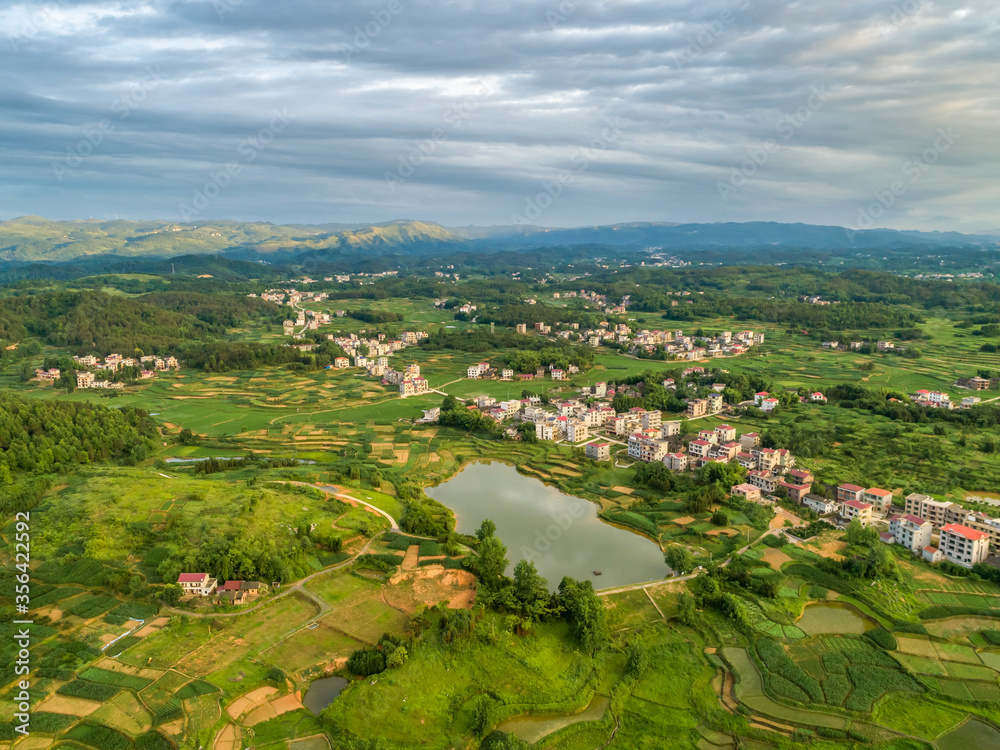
(171, 594)
(486, 529)
(450, 403)
(531, 591)
(636, 660)
(397, 658)
(679, 559)
(686, 613)
(484, 715)
(720, 517)
(491, 562)
(585, 612)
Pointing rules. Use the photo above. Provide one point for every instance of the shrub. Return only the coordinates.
(44, 721)
(834, 662)
(944, 610)
(991, 636)
(429, 548)
(817, 592)
(871, 683)
(785, 689)
(194, 689)
(153, 740)
(107, 677)
(89, 690)
(774, 541)
(99, 736)
(168, 712)
(835, 688)
(882, 638)
(833, 734)
(366, 662)
(275, 675)
(779, 663)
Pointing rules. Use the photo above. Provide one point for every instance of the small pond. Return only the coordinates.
(834, 617)
(322, 692)
(560, 533)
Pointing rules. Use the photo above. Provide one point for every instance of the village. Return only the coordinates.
(89, 370)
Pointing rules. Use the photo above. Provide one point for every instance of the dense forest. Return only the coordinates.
(44, 437)
(98, 322)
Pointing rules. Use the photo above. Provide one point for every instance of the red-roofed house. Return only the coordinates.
(964, 546)
(856, 509)
(912, 532)
(932, 554)
(699, 448)
(847, 492)
(880, 499)
(796, 492)
(726, 433)
(676, 461)
(196, 584)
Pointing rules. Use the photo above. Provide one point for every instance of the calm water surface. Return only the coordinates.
(560, 533)
(322, 692)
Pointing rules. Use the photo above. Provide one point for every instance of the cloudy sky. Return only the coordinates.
(857, 113)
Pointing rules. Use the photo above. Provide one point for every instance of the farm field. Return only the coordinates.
(258, 473)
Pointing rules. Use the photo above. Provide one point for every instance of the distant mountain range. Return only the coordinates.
(35, 239)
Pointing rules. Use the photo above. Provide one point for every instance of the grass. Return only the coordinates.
(922, 718)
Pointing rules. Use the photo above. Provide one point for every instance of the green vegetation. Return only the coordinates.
(248, 464)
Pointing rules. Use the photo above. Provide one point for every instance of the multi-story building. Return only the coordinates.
(647, 446)
(577, 430)
(762, 479)
(747, 491)
(598, 451)
(726, 433)
(962, 545)
(197, 584)
(847, 492)
(911, 531)
(879, 499)
(676, 461)
(852, 509)
(699, 448)
(545, 430)
(697, 407)
(670, 429)
(796, 492)
(750, 440)
(820, 504)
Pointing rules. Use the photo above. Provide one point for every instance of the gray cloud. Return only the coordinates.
(518, 94)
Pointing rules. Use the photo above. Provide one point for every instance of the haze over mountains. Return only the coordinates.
(35, 239)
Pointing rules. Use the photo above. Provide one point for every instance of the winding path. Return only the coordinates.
(324, 608)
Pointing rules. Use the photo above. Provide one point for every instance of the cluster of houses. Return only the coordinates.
(675, 343)
(965, 536)
(376, 361)
(884, 345)
(486, 371)
(294, 296)
(231, 592)
(85, 378)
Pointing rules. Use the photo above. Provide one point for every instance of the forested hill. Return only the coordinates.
(31, 238)
(106, 323)
(41, 437)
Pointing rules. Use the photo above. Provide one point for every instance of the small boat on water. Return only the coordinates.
(597, 572)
